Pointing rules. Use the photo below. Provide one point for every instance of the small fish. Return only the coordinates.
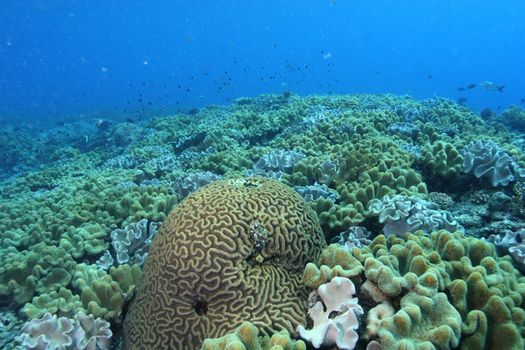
(130, 120)
(522, 101)
(460, 89)
(471, 86)
(490, 86)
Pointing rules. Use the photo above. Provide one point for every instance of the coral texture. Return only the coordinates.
(275, 163)
(232, 251)
(328, 330)
(83, 332)
(422, 323)
(512, 243)
(316, 191)
(487, 159)
(487, 291)
(402, 214)
(246, 337)
(192, 182)
(131, 244)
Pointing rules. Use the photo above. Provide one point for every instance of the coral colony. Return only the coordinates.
(277, 222)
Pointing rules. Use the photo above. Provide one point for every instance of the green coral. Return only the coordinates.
(486, 290)
(246, 337)
(40, 270)
(103, 298)
(102, 294)
(442, 160)
(422, 323)
(62, 303)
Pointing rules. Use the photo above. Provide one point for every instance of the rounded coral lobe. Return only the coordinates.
(231, 252)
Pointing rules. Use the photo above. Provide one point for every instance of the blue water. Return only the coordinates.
(65, 59)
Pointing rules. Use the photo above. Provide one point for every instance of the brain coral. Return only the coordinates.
(230, 252)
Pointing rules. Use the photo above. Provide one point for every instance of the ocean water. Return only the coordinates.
(173, 172)
(60, 58)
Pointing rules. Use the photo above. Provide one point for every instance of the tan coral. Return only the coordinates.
(207, 272)
(375, 316)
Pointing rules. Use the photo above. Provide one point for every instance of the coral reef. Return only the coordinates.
(337, 297)
(317, 191)
(402, 214)
(192, 182)
(207, 272)
(131, 244)
(356, 236)
(422, 322)
(82, 332)
(246, 337)
(487, 159)
(486, 291)
(275, 163)
(79, 203)
(512, 243)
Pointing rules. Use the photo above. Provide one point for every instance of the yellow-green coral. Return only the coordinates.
(62, 303)
(40, 270)
(442, 160)
(486, 290)
(246, 337)
(102, 294)
(422, 323)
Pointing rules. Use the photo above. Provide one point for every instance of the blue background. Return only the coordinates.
(65, 59)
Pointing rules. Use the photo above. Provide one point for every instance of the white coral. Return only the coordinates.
(50, 332)
(328, 330)
(402, 214)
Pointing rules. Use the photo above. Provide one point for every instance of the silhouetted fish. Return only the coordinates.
(460, 89)
(471, 86)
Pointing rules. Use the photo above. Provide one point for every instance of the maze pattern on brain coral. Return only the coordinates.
(201, 279)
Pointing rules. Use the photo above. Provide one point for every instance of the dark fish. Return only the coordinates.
(429, 76)
(460, 89)
(60, 123)
(522, 101)
(471, 86)
(130, 120)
